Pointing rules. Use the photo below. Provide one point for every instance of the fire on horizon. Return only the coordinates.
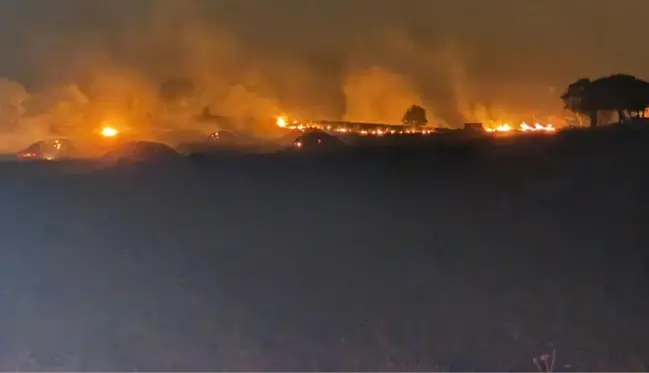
(372, 129)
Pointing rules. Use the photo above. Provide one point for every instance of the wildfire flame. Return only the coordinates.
(537, 127)
(109, 132)
(524, 127)
(282, 122)
(501, 128)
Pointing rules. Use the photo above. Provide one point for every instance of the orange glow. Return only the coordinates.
(342, 128)
(501, 128)
(282, 122)
(549, 128)
(523, 127)
(526, 127)
(109, 132)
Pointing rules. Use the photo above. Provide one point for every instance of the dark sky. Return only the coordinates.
(463, 59)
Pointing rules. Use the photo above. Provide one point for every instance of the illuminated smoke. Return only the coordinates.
(86, 62)
(377, 95)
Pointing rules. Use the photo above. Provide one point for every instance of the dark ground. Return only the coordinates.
(448, 257)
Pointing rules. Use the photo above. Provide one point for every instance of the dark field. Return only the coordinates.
(448, 256)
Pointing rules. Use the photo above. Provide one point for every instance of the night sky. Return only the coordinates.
(360, 59)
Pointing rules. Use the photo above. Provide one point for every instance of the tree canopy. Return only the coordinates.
(415, 116)
(624, 94)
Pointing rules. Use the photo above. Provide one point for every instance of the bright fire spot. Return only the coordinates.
(502, 128)
(524, 127)
(109, 132)
(549, 128)
(282, 122)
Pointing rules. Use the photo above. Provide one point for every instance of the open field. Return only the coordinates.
(460, 255)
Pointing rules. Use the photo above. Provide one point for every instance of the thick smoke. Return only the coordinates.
(70, 65)
(377, 95)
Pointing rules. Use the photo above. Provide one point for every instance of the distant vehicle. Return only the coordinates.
(317, 140)
(54, 149)
(142, 151)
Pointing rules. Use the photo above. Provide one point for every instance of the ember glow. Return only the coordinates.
(282, 122)
(351, 128)
(378, 130)
(109, 132)
(537, 127)
(523, 127)
(501, 128)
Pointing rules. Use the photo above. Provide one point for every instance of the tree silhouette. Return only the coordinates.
(415, 116)
(575, 98)
(624, 94)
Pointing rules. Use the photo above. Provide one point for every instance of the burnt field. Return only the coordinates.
(446, 256)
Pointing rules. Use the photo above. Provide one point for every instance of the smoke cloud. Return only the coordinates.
(70, 65)
(377, 95)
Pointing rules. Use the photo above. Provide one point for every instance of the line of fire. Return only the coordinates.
(220, 123)
(381, 129)
(207, 131)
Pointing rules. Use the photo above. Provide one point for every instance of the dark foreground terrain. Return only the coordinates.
(459, 257)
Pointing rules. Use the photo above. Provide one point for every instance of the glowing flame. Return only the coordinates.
(302, 126)
(502, 128)
(109, 132)
(549, 128)
(524, 127)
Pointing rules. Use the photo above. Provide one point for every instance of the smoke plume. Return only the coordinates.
(70, 65)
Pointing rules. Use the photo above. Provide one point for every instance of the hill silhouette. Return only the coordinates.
(456, 255)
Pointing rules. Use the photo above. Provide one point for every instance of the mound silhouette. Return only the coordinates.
(142, 151)
(413, 258)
